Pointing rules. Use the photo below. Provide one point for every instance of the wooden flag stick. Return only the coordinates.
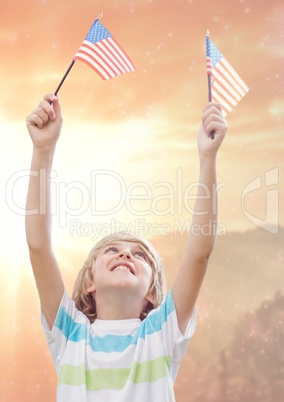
(71, 65)
(64, 77)
(209, 72)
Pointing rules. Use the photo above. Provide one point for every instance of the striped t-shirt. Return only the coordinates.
(117, 360)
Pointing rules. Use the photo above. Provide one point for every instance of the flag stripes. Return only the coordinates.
(226, 85)
(101, 52)
(209, 65)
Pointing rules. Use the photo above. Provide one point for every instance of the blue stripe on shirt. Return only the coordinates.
(76, 332)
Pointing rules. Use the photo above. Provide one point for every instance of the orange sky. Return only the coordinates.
(142, 126)
(154, 113)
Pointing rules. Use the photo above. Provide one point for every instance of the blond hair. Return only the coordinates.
(84, 300)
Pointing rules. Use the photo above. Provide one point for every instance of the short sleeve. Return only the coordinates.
(163, 320)
(69, 323)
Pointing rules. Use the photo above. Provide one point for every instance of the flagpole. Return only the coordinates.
(72, 64)
(209, 72)
(64, 77)
(209, 65)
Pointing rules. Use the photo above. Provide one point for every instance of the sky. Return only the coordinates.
(127, 155)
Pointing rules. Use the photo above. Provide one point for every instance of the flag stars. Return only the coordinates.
(97, 32)
(104, 54)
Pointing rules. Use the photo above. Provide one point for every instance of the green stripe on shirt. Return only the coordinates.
(114, 379)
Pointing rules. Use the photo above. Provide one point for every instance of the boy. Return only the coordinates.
(120, 339)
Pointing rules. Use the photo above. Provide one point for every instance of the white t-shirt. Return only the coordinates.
(117, 361)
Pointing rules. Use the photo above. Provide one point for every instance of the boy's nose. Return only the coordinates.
(125, 254)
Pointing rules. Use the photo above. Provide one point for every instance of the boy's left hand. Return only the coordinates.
(212, 120)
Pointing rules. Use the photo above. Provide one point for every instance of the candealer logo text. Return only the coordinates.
(107, 194)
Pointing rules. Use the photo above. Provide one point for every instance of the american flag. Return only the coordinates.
(102, 53)
(227, 87)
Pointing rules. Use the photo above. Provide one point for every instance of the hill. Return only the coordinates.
(245, 269)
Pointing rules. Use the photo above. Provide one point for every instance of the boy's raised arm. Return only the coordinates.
(44, 125)
(204, 221)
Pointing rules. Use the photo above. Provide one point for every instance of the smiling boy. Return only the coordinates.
(121, 281)
(120, 338)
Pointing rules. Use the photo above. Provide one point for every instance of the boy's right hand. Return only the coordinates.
(45, 122)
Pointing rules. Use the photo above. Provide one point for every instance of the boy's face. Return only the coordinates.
(122, 265)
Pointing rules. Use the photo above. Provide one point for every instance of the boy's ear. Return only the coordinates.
(149, 298)
(91, 288)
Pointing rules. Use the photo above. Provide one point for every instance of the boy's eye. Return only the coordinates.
(140, 254)
(111, 249)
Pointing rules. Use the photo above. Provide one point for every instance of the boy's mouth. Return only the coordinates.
(123, 267)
